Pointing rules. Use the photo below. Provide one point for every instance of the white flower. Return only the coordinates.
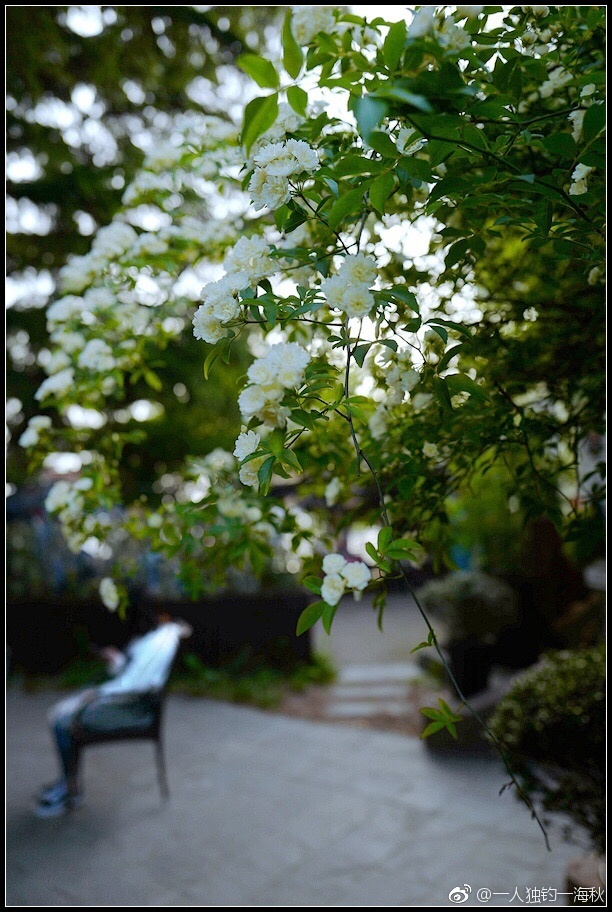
(148, 243)
(308, 21)
(248, 472)
(333, 564)
(97, 356)
(452, 37)
(70, 342)
(250, 257)
(332, 589)
(332, 492)
(250, 401)
(595, 275)
(422, 22)
(56, 385)
(471, 12)
(357, 575)
(57, 362)
(58, 496)
(246, 443)
(98, 298)
(588, 90)
(576, 118)
(80, 271)
(539, 11)
(63, 310)
(409, 380)
(268, 191)
(333, 288)
(225, 309)
(276, 160)
(29, 438)
(556, 80)
(109, 594)
(430, 451)
(409, 141)
(305, 156)
(154, 521)
(378, 422)
(357, 301)
(579, 179)
(163, 155)
(359, 269)
(206, 327)
(114, 239)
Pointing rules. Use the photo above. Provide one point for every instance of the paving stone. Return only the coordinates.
(381, 673)
(354, 709)
(368, 691)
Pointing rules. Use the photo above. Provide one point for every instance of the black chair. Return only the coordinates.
(122, 717)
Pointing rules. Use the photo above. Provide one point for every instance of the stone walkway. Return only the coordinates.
(267, 810)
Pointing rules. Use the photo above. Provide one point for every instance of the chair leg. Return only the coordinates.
(161, 769)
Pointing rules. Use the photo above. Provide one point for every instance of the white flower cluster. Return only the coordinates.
(538, 11)
(341, 575)
(219, 308)
(56, 385)
(281, 369)
(31, 434)
(308, 21)
(557, 79)
(109, 593)
(451, 36)
(97, 356)
(66, 499)
(287, 121)
(80, 271)
(148, 243)
(400, 376)
(250, 257)
(422, 22)
(113, 240)
(163, 155)
(349, 290)
(275, 164)
(580, 176)
(576, 118)
(246, 444)
(333, 491)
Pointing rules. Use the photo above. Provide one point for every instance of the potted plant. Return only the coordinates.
(475, 609)
(552, 723)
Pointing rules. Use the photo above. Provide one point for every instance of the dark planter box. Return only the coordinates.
(471, 662)
(233, 628)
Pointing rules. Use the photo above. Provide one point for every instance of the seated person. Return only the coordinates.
(143, 666)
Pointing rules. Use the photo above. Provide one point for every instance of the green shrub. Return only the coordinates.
(471, 604)
(552, 723)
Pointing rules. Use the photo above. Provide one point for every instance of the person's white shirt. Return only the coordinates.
(146, 662)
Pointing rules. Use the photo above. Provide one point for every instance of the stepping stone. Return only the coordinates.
(393, 671)
(368, 691)
(355, 710)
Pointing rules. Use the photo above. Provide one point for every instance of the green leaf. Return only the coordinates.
(303, 418)
(313, 583)
(293, 58)
(449, 355)
(310, 616)
(259, 69)
(259, 115)
(394, 44)
(153, 380)
(594, 122)
(211, 357)
(423, 645)
(442, 394)
(431, 713)
(406, 544)
(398, 554)
(360, 352)
(371, 550)
(329, 613)
(298, 99)
(562, 144)
(383, 144)
(380, 190)
(463, 383)
(346, 205)
(265, 474)
(456, 252)
(433, 727)
(369, 113)
(384, 538)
